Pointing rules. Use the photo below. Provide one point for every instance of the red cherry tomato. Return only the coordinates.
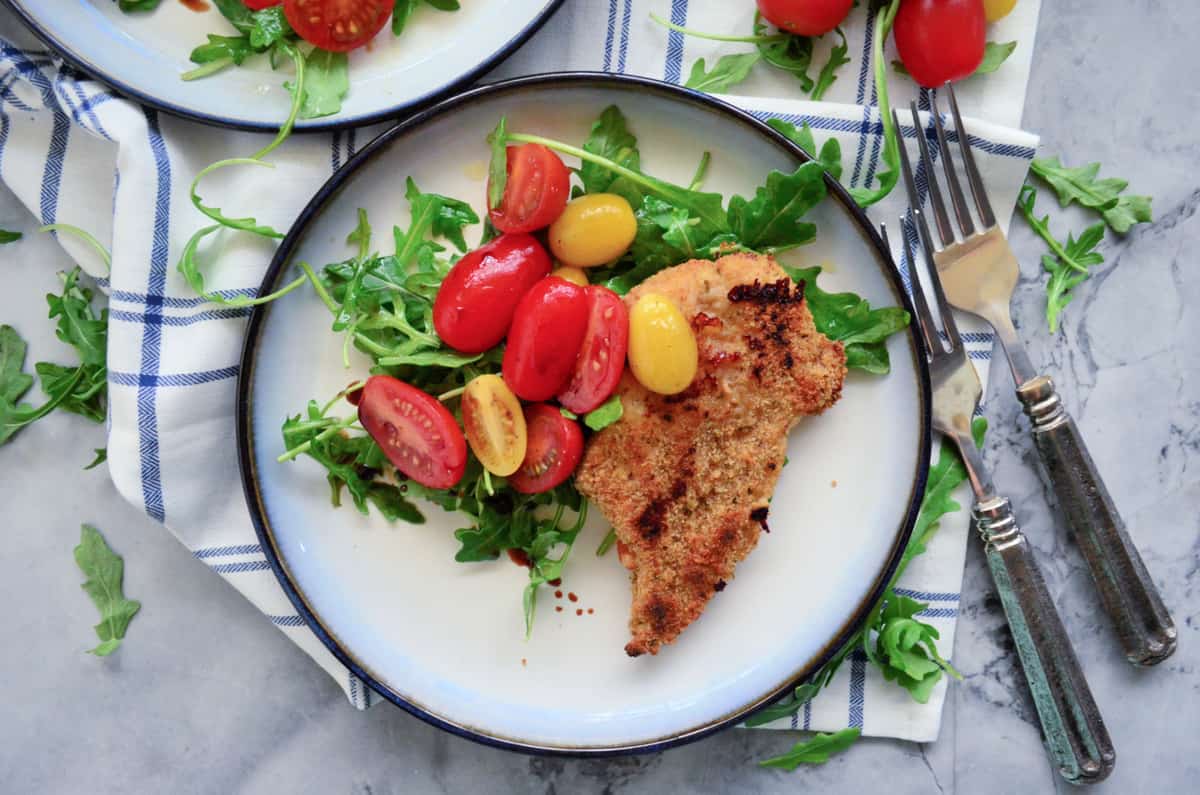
(417, 434)
(543, 342)
(475, 304)
(552, 453)
(337, 25)
(805, 17)
(940, 40)
(602, 355)
(259, 5)
(536, 190)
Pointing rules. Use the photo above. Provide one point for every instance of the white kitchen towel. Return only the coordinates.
(75, 153)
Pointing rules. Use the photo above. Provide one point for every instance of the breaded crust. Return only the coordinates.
(685, 479)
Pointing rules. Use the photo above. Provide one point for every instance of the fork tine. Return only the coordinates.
(925, 320)
(945, 231)
(986, 216)
(965, 224)
(926, 244)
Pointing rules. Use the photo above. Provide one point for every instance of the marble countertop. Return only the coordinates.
(207, 698)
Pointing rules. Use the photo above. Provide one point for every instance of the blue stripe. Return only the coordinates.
(353, 688)
(222, 552)
(335, 153)
(52, 174)
(929, 596)
(239, 568)
(171, 379)
(674, 64)
(858, 682)
(808, 715)
(626, 18)
(288, 621)
(147, 409)
(4, 130)
(157, 319)
(859, 98)
(939, 612)
(608, 36)
(177, 303)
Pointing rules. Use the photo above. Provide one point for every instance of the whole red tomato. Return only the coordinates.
(940, 40)
(805, 17)
(544, 339)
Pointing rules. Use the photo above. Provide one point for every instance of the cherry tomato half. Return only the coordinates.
(940, 40)
(536, 191)
(475, 304)
(259, 5)
(417, 434)
(494, 424)
(543, 342)
(337, 25)
(602, 355)
(805, 17)
(554, 449)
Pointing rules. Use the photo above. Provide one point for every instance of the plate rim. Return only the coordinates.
(245, 434)
(326, 124)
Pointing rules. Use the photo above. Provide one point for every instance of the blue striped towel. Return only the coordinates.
(74, 152)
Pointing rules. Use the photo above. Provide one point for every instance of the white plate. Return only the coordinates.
(144, 54)
(445, 640)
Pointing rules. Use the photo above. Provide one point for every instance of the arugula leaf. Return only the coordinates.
(606, 543)
(865, 197)
(838, 57)
(814, 751)
(993, 55)
(770, 222)
(728, 71)
(905, 649)
(1102, 195)
(14, 383)
(609, 138)
(9, 237)
(78, 325)
(1068, 264)
(850, 319)
(791, 53)
(605, 414)
(402, 11)
(86, 397)
(327, 80)
(270, 26)
(129, 6)
(238, 14)
(830, 155)
(105, 571)
(234, 49)
(444, 5)
(101, 457)
(498, 166)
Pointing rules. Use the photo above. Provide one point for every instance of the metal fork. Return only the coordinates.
(1076, 737)
(978, 274)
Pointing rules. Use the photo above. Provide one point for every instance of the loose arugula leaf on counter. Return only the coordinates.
(1104, 196)
(848, 318)
(84, 235)
(101, 457)
(837, 59)
(105, 571)
(1068, 263)
(605, 414)
(814, 751)
(727, 72)
(14, 382)
(9, 237)
(995, 54)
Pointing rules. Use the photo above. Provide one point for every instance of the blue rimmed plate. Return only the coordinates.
(142, 55)
(445, 640)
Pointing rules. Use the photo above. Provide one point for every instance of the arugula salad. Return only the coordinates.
(314, 35)
(489, 366)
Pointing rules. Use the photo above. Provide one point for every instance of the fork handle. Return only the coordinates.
(1132, 601)
(1074, 730)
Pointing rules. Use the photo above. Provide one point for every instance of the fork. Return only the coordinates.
(1075, 733)
(978, 274)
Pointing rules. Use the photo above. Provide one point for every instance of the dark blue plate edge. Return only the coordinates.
(244, 432)
(302, 126)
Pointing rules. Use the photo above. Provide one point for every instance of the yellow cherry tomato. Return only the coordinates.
(662, 347)
(593, 230)
(998, 9)
(573, 275)
(494, 424)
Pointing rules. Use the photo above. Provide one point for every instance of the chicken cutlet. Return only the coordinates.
(685, 479)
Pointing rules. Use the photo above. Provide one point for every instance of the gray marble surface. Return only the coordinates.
(208, 698)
